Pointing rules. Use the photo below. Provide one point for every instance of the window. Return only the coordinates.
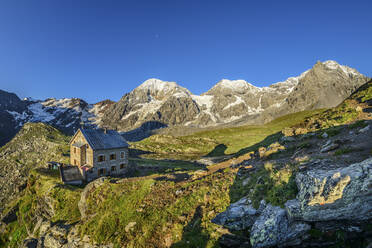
(113, 168)
(122, 154)
(75, 150)
(122, 166)
(112, 156)
(101, 158)
(75, 162)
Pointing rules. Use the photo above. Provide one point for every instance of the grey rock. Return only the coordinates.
(85, 194)
(329, 146)
(365, 129)
(324, 135)
(30, 243)
(238, 216)
(272, 228)
(334, 194)
(287, 139)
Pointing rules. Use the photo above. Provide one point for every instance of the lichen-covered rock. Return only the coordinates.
(84, 195)
(238, 216)
(336, 194)
(272, 228)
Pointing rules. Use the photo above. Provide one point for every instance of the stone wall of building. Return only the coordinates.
(108, 167)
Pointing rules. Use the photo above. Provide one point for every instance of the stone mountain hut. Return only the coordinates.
(98, 152)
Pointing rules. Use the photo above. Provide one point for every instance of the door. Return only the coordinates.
(101, 172)
(83, 158)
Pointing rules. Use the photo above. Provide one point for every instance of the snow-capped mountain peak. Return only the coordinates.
(154, 85)
(235, 84)
(333, 65)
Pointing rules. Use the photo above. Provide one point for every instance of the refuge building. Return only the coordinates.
(98, 152)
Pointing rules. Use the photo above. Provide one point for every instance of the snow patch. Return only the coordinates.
(331, 64)
(236, 85)
(238, 101)
(40, 113)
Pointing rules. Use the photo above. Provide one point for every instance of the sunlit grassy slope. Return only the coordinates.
(203, 143)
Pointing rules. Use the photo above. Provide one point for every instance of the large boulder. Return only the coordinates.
(334, 194)
(238, 216)
(272, 228)
(85, 194)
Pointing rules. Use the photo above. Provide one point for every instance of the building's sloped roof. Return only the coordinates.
(99, 140)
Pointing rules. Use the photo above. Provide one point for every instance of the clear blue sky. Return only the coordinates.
(99, 49)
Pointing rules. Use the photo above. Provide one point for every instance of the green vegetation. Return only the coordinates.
(165, 165)
(236, 139)
(274, 185)
(349, 111)
(364, 93)
(358, 124)
(43, 193)
(333, 131)
(155, 213)
(343, 151)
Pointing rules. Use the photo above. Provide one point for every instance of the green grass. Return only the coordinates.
(236, 139)
(275, 186)
(343, 151)
(164, 212)
(165, 165)
(333, 131)
(43, 186)
(358, 124)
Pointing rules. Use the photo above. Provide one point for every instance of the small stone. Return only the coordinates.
(329, 146)
(324, 135)
(130, 226)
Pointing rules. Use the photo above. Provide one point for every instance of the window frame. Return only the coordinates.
(114, 155)
(101, 155)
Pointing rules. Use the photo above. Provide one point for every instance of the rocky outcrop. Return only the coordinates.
(85, 194)
(331, 197)
(343, 194)
(238, 216)
(31, 148)
(57, 235)
(272, 228)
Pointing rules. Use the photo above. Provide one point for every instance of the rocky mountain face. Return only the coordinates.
(156, 104)
(233, 101)
(65, 114)
(10, 105)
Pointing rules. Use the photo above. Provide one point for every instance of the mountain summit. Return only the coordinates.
(156, 103)
(234, 101)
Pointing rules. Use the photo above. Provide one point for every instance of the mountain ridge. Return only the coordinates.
(231, 102)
